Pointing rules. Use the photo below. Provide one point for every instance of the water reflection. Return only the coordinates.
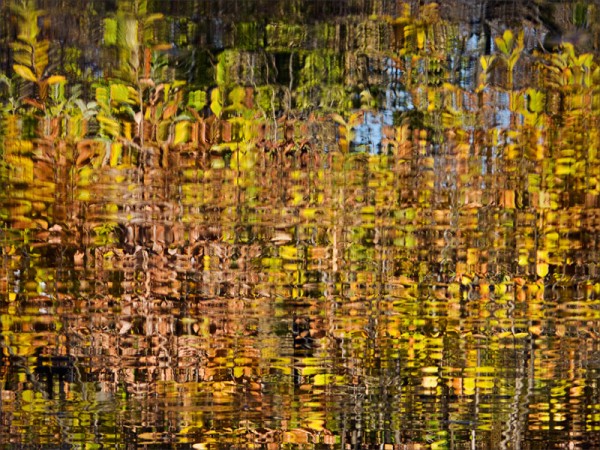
(306, 307)
(340, 233)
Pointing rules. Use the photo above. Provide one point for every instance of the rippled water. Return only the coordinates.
(368, 259)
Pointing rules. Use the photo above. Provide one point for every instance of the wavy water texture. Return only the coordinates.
(349, 224)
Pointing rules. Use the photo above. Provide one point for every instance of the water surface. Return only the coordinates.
(311, 225)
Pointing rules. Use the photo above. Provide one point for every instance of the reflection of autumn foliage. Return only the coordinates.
(314, 247)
